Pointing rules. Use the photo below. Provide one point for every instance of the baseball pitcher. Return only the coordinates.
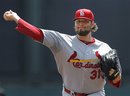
(84, 62)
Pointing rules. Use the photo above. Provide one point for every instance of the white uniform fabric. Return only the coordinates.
(99, 93)
(81, 77)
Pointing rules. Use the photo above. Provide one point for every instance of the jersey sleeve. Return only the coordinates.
(52, 39)
(49, 38)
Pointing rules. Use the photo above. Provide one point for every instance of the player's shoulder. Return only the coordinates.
(103, 47)
(58, 34)
(66, 36)
(46, 31)
(55, 32)
(100, 43)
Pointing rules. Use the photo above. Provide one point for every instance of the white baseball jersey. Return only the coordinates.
(76, 61)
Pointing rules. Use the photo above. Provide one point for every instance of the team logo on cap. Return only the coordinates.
(81, 13)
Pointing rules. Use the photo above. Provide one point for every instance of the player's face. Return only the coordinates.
(83, 26)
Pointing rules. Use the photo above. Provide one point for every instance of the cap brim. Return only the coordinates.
(82, 18)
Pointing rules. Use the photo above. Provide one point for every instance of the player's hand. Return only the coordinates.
(11, 16)
(117, 79)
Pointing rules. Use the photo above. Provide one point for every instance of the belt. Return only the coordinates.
(74, 93)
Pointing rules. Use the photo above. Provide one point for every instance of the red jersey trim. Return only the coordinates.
(87, 43)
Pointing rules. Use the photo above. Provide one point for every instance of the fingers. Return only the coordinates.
(11, 11)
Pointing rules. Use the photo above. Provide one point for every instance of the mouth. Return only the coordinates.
(81, 28)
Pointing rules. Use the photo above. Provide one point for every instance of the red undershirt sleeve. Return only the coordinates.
(116, 84)
(30, 30)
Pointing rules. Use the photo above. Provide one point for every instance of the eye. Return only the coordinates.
(86, 21)
(82, 21)
(77, 21)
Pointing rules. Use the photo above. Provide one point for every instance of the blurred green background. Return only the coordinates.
(28, 68)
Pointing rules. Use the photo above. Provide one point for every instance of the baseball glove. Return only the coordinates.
(110, 61)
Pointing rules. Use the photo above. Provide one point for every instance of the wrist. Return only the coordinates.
(16, 18)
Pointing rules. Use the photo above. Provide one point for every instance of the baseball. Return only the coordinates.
(8, 16)
(4, 16)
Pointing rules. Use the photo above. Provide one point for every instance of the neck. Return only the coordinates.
(87, 38)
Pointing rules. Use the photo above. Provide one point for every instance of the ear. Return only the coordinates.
(93, 25)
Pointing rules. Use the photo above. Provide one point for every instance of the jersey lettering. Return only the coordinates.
(96, 74)
(79, 64)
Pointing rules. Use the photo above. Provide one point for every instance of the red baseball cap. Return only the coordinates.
(85, 14)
